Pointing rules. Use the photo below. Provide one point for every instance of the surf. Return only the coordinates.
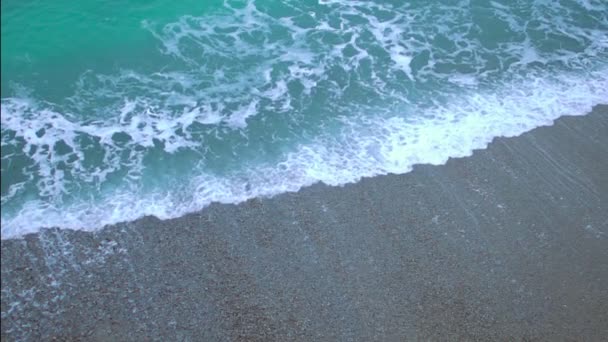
(257, 98)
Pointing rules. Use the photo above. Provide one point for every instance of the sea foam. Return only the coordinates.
(365, 147)
(255, 100)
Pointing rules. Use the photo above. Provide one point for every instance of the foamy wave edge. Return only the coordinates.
(367, 147)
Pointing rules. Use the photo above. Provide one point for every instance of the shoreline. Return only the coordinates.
(508, 243)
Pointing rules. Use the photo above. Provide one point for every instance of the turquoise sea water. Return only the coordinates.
(115, 110)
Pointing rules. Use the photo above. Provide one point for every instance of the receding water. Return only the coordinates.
(115, 110)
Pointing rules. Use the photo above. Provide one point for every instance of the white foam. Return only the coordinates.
(353, 45)
(240, 115)
(367, 146)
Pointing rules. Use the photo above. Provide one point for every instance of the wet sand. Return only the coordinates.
(508, 244)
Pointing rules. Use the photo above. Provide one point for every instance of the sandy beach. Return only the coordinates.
(508, 244)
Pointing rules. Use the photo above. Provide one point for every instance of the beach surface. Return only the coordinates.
(508, 244)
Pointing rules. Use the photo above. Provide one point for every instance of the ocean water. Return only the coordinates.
(115, 110)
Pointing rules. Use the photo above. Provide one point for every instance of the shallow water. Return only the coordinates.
(115, 111)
